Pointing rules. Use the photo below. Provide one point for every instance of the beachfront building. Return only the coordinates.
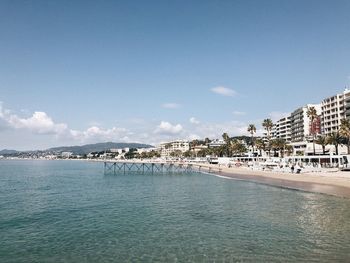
(216, 143)
(66, 154)
(119, 151)
(301, 128)
(146, 150)
(282, 129)
(170, 147)
(333, 109)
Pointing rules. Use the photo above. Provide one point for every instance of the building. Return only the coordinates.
(301, 129)
(282, 129)
(66, 155)
(333, 109)
(216, 143)
(167, 148)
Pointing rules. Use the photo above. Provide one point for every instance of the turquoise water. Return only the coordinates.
(69, 211)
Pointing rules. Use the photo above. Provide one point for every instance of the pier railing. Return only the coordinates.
(118, 167)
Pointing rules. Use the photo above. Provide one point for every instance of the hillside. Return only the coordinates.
(5, 151)
(97, 147)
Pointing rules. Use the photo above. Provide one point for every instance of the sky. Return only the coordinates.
(77, 72)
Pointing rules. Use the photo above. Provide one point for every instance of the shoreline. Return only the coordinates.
(330, 183)
(335, 183)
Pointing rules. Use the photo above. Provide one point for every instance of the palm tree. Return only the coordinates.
(268, 124)
(252, 129)
(335, 139)
(322, 140)
(260, 145)
(238, 147)
(278, 145)
(289, 149)
(225, 137)
(345, 131)
(226, 148)
(312, 115)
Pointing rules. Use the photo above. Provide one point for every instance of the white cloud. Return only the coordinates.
(171, 105)
(276, 115)
(41, 123)
(224, 91)
(238, 113)
(193, 120)
(152, 132)
(166, 128)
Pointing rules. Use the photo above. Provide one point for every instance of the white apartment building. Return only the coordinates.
(216, 143)
(300, 123)
(167, 148)
(282, 129)
(333, 110)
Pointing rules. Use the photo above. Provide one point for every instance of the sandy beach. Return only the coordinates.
(332, 183)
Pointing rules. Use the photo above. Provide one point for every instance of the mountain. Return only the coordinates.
(5, 151)
(97, 147)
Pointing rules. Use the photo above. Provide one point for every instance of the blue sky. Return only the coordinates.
(75, 72)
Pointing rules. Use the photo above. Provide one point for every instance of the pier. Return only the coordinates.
(118, 167)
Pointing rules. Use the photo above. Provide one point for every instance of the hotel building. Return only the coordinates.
(167, 148)
(334, 109)
(282, 129)
(301, 129)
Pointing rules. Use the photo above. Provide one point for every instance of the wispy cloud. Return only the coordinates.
(193, 120)
(224, 91)
(238, 113)
(171, 105)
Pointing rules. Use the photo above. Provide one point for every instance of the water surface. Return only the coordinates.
(69, 211)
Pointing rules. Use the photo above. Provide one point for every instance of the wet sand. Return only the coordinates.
(331, 183)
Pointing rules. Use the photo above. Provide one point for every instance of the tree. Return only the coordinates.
(345, 131)
(289, 149)
(260, 145)
(312, 115)
(225, 137)
(237, 147)
(188, 154)
(252, 129)
(205, 152)
(207, 140)
(278, 145)
(322, 140)
(225, 149)
(335, 139)
(176, 153)
(268, 124)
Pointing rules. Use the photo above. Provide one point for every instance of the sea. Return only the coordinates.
(71, 211)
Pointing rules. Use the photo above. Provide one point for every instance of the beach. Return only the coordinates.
(333, 182)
